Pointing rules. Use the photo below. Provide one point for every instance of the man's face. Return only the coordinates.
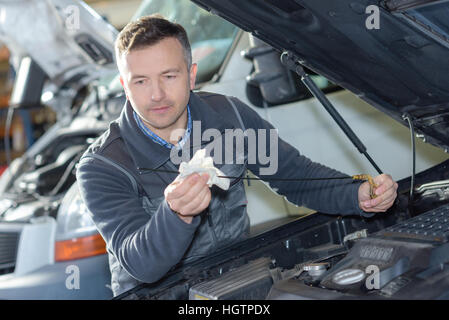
(157, 82)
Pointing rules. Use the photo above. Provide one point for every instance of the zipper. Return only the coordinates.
(211, 229)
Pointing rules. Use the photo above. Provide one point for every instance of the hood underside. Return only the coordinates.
(394, 54)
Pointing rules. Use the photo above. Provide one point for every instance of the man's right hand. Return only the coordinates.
(189, 197)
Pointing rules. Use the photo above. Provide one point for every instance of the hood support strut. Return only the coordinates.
(293, 63)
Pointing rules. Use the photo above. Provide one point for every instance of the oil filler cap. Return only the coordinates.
(316, 269)
(348, 276)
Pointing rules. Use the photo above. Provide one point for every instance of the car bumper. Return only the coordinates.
(87, 278)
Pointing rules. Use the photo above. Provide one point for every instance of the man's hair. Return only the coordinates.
(149, 30)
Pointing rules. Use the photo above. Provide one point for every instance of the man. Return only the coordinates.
(151, 222)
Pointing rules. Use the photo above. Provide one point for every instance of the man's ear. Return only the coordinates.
(123, 85)
(193, 71)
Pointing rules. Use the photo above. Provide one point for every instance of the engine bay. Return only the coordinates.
(403, 261)
(401, 254)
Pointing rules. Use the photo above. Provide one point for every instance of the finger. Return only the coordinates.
(206, 201)
(388, 201)
(180, 189)
(384, 182)
(393, 191)
(378, 209)
(390, 196)
(178, 201)
(381, 178)
(379, 199)
(184, 204)
(195, 189)
(194, 206)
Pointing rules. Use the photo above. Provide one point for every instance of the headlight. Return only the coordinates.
(73, 217)
(76, 234)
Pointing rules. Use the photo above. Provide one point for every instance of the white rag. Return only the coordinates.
(200, 163)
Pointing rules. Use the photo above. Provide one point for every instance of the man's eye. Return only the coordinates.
(170, 77)
(139, 82)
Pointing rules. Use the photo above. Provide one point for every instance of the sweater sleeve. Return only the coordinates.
(146, 246)
(281, 160)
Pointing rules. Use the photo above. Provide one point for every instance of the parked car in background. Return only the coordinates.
(49, 246)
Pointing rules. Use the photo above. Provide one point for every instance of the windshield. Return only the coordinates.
(210, 36)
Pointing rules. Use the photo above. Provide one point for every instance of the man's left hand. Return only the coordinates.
(385, 192)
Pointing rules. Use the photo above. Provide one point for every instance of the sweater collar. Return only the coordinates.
(148, 154)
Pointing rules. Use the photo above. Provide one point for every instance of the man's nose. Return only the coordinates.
(158, 92)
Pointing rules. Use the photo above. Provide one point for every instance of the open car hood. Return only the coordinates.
(66, 38)
(398, 63)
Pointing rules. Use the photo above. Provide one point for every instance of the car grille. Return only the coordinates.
(8, 251)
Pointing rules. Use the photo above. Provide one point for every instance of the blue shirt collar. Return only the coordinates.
(145, 153)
